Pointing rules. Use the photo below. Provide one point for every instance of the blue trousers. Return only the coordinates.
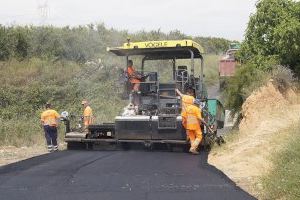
(51, 135)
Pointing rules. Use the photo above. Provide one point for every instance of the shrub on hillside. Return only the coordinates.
(250, 77)
(64, 84)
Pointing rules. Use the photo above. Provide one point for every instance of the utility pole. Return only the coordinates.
(43, 10)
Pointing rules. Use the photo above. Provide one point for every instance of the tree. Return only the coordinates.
(274, 31)
(5, 51)
(22, 45)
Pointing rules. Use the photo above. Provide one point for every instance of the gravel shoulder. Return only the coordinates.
(12, 154)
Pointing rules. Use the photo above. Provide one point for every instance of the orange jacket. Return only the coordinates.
(186, 100)
(87, 116)
(191, 117)
(50, 118)
(132, 75)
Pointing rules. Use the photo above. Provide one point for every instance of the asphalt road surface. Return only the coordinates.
(84, 175)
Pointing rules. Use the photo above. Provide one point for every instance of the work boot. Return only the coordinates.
(194, 146)
(55, 148)
(50, 148)
(196, 143)
(194, 151)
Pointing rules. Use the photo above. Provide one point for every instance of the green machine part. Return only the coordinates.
(217, 112)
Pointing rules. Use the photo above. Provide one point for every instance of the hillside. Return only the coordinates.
(65, 84)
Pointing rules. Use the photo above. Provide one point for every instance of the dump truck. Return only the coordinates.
(228, 64)
(157, 120)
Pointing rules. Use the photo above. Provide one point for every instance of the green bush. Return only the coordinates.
(274, 30)
(253, 75)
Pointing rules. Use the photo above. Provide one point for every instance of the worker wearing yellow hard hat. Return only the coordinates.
(87, 114)
(191, 118)
(186, 99)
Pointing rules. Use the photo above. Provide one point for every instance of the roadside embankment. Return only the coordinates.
(269, 114)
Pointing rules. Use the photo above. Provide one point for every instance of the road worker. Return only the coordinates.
(186, 99)
(192, 119)
(133, 76)
(87, 114)
(135, 79)
(49, 121)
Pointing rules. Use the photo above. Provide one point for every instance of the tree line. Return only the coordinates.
(82, 43)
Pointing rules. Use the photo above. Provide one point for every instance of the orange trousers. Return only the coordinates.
(193, 134)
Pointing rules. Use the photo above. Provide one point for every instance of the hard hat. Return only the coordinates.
(64, 114)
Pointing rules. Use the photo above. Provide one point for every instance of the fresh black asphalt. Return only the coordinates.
(122, 175)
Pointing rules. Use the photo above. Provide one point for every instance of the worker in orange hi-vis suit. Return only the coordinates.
(133, 76)
(49, 121)
(135, 79)
(87, 114)
(192, 119)
(186, 99)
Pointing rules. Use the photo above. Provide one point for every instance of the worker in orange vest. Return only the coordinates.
(87, 114)
(133, 76)
(49, 121)
(192, 119)
(186, 99)
(135, 79)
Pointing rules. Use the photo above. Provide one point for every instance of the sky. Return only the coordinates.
(215, 18)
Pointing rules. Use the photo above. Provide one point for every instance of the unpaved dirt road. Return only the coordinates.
(116, 175)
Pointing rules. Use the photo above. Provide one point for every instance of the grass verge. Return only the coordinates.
(283, 181)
